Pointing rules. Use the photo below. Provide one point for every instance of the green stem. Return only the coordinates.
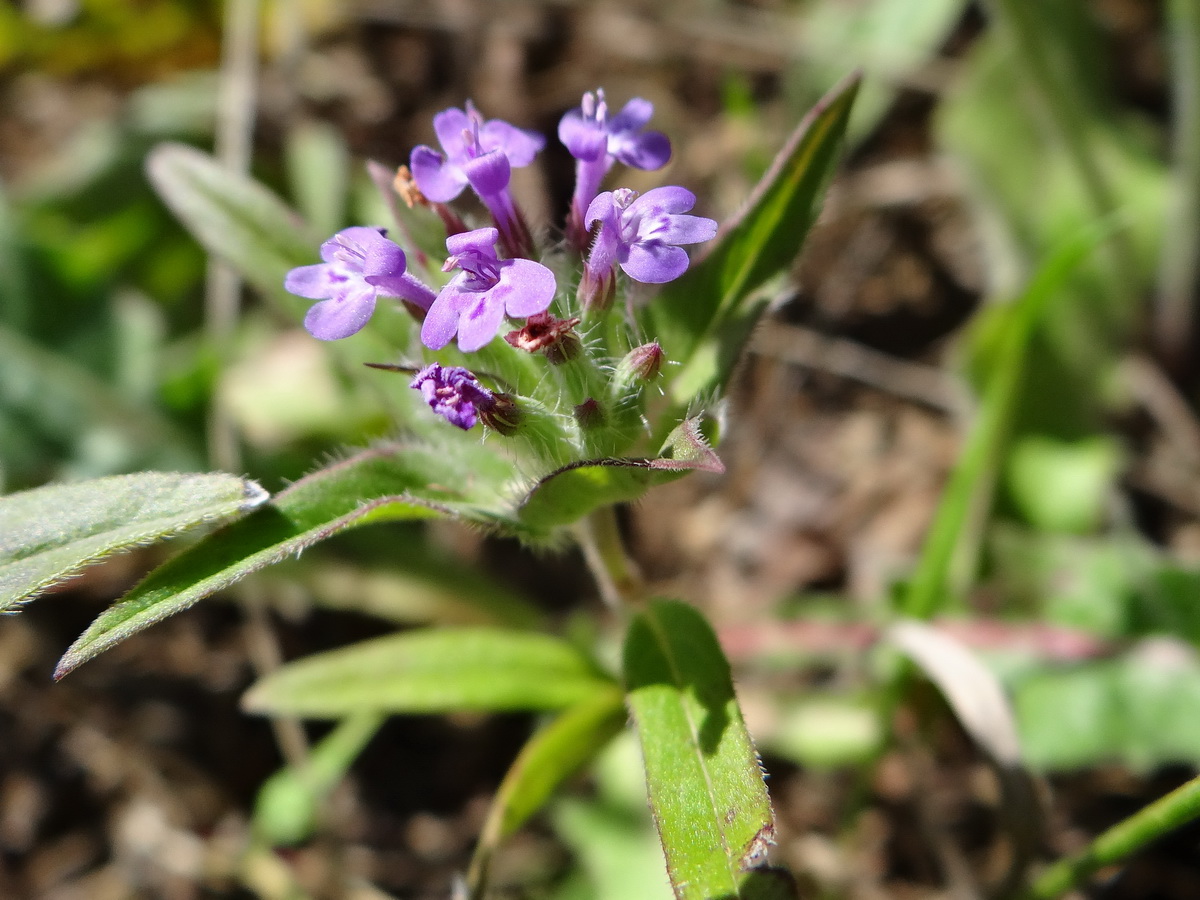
(616, 574)
(1177, 808)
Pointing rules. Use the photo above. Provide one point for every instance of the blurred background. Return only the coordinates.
(1003, 157)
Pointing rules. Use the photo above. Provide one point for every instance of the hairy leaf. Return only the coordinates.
(433, 670)
(705, 784)
(570, 493)
(704, 317)
(233, 216)
(48, 533)
(381, 485)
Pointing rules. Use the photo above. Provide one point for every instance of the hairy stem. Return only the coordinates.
(617, 575)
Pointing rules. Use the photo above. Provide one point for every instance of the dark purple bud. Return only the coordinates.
(454, 394)
(590, 414)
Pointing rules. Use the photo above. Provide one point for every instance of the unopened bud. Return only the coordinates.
(503, 415)
(590, 414)
(643, 363)
(596, 291)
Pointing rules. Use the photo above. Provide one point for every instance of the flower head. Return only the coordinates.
(486, 289)
(589, 134)
(642, 234)
(476, 152)
(454, 394)
(597, 141)
(359, 264)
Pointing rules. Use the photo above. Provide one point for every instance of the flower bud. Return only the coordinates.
(642, 363)
(503, 416)
(590, 414)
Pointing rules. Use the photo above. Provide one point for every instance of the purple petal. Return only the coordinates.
(449, 126)
(481, 241)
(601, 209)
(341, 316)
(442, 319)
(315, 282)
(489, 174)
(519, 145)
(687, 230)
(649, 151)
(525, 288)
(583, 138)
(663, 200)
(654, 263)
(478, 323)
(439, 180)
(633, 116)
(381, 257)
(405, 286)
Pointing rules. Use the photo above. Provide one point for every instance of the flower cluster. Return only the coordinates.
(498, 274)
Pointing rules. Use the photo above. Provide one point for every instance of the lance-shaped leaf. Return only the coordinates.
(48, 533)
(703, 318)
(376, 486)
(289, 803)
(430, 671)
(549, 758)
(233, 216)
(568, 494)
(705, 784)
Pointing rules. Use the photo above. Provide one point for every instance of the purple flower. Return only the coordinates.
(454, 394)
(359, 264)
(481, 154)
(642, 235)
(596, 142)
(475, 302)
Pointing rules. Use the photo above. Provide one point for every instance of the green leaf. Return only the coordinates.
(50, 532)
(968, 495)
(387, 484)
(548, 759)
(568, 494)
(289, 802)
(317, 161)
(1139, 709)
(432, 670)
(233, 216)
(703, 318)
(1063, 486)
(57, 402)
(705, 784)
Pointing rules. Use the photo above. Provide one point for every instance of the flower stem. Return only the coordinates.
(1178, 808)
(616, 574)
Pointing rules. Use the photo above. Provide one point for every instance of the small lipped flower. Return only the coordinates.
(454, 394)
(642, 235)
(359, 265)
(481, 154)
(597, 141)
(487, 288)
